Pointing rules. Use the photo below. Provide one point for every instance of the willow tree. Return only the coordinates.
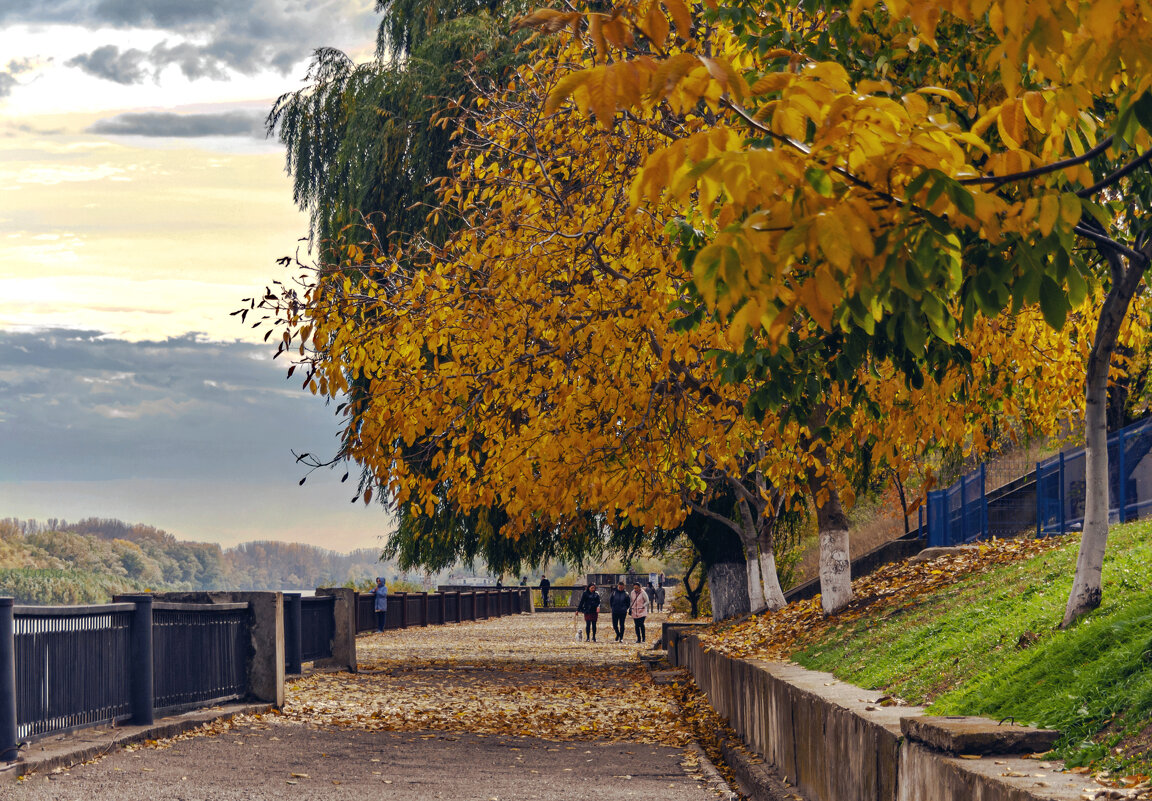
(896, 170)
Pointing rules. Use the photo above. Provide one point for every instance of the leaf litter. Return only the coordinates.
(892, 588)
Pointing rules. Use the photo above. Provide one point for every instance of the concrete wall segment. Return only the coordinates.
(835, 742)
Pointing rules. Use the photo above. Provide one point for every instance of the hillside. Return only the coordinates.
(976, 633)
(89, 561)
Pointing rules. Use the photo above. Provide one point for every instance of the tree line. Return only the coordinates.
(90, 560)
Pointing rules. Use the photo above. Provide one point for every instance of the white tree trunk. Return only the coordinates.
(1087, 585)
(835, 570)
(755, 585)
(832, 523)
(773, 592)
(728, 588)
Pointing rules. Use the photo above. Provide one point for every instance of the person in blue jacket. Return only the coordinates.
(381, 605)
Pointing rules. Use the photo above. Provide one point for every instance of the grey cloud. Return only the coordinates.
(79, 407)
(210, 38)
(8, 74)
(232, 123)
(113, 64)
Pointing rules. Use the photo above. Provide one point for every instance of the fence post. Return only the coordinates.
(1063, 514)
(1120, 474)
(9, 747)
(293, 634)
(1039, 503)
(983, 500)
(343, 628)
(143, 679)
(424, 609)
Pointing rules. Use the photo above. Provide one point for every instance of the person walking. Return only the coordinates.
(660, 598)
(590, 606)
(545, 585)
(639, 610)
(619, 602)
(381, 604)
(650, 591)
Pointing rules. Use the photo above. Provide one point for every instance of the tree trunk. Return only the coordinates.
(1086, 586)
(773, 592)
(755, 585)
(832, 523)
(728, 587)
(722, 553)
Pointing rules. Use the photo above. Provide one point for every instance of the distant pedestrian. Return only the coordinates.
(381, 604)
(545, 585)
(660, 583)
(639, 610)
(500, 583)
(660, 598)
(619, 603)
(650, 591)
(523, 581)
(590, 606)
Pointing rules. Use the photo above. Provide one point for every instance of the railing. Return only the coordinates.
(318, 626)
(1061, 486)
(960, 512)
(68, 667)
(1049, 500)
(72, 667)
(199, 655)
(406, 609)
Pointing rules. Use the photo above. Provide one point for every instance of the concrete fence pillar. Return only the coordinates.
(344, 636)
(9, 747)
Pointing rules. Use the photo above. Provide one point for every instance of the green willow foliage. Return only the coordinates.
(365, 142)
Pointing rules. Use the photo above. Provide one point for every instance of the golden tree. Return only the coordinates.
(894, 170)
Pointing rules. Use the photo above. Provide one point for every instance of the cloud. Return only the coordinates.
(8, 74)
(207, 38)
(81, 407)
(231, 123)
(109, 63)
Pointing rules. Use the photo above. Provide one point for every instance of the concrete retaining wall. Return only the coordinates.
(834, 742)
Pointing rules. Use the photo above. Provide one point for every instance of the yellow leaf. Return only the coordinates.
(1049, 212)
(833, 243)
(1012, 123)
(682, 18)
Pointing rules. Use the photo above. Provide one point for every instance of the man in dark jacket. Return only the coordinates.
(545, 585)
(619, 602)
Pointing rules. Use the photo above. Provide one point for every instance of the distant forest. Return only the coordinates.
(56, 562)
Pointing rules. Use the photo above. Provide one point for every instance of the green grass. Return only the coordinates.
(991, 646)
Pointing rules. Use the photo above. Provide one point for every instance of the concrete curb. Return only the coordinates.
(66, 750)
(712, 777)
(756, 780)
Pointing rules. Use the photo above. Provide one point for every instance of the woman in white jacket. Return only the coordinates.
(639, 610)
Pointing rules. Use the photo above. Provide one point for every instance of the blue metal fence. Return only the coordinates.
(1061, 485)
(1048, 501)
(959, 513)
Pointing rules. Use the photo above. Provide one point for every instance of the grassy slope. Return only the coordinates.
(991, 645)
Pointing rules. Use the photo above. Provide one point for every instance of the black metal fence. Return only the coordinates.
(199, 654)
(406, 609)
(67, 667)
(318, 627)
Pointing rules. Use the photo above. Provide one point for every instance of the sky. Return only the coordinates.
(140, 203)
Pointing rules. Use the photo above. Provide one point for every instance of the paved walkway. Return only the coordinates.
(502, 709)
